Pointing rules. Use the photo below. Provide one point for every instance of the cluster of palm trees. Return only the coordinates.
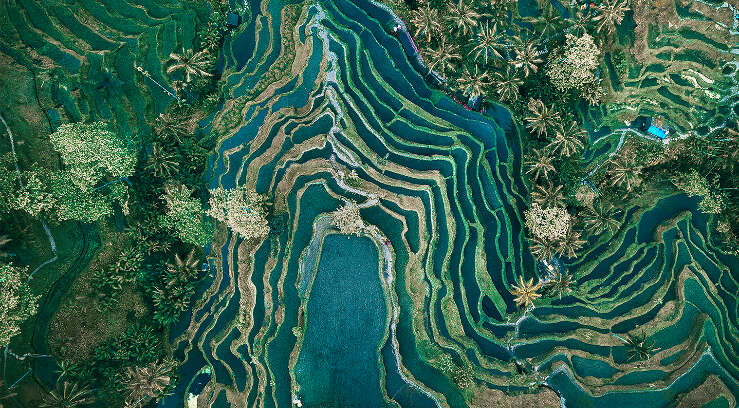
(138, 386)
(525, 292)
(485, 48)
(192, 65)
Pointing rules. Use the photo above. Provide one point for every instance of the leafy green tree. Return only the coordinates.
(91, 153)
(242, 209)
(185, 216)
(348, 219)
(695, 184)
(17, 302)
(573, 66)
(95, 161)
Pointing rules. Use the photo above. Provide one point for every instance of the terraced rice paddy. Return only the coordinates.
(315, 91)
(442, 188)
(687, 69)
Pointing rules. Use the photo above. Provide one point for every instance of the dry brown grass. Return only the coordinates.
(487, 398)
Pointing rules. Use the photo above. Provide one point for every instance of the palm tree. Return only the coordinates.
(426, 20)
(184, 269)
(570, 243)
(525, 292)
(487, 41)
(624, 172)
(167, 125)
(549, 196)
(462, 17)
(611, 13)
(144, 383)
(193, 64)
(600, 218)
(68, 395)
(541, 118)
(542, 249)
(154, 246)
(580, 21)
(549, 20)
(568, 139)
(161, 163)
(506, 83)
(526, 58)
(442, 57)
(500, 10)
(639, 348)
(472, 84)
(540, 165)
(559, 283)
(5, 392)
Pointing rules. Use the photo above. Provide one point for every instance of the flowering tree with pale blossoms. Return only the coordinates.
(242, 209)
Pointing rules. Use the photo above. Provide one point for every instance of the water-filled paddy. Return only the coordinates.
(443, 186)
(346, 320)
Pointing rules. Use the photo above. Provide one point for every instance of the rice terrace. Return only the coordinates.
(369, 203)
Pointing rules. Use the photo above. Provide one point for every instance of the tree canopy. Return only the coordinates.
(242, 209)
(17, 303)
(575, 67)
(95, 162)
(185, 216)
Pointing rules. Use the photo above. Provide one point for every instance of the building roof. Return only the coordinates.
(657, 131)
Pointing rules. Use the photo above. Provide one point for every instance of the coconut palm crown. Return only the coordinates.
(427, 21)
(525, 292)
(639, 347)
(193, 64)
(462, 17)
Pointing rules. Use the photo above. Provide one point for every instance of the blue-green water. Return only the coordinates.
(346, 316)
(450, 205)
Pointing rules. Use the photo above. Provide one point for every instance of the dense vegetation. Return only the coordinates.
(130, 184)
(546, 66)
(148, 188)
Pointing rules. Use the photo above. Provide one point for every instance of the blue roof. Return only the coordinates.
(659, 132)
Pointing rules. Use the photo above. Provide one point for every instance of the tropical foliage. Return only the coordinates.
(142, 384)
(192, 64)
(185, 216)
(68, 395)
(525, 292)
(17, 302)
(241, 209)
(348, 219)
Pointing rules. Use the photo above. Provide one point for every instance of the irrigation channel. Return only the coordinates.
(306, 314)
